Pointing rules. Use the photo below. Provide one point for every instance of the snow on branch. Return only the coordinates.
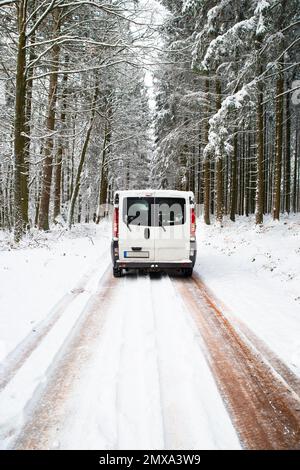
(226, 43)
(3, 3)
(219, 137)
(240, 35)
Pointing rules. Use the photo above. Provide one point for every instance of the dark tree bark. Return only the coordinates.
(60, 151)
(278, 146)
(29, 91)
(259, 198)
(77, 181)
(219, 167)
(247, 177)
(20, 170)
(295, 175)
(183, 183)
(192, 170)
(206, 164)
(233, 185)
(103, 184)
(50, 125)
(288, 157)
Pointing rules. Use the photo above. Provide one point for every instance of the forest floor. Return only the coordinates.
(93, 362)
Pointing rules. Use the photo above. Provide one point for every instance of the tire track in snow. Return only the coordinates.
(119, 359)
(137, 395)
(269, 356)
(265, 411)
(137, 380)
(194, 415)
(46, 412)
(157, 364)
(23, 350)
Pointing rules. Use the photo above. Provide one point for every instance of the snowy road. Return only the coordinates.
(151, 362)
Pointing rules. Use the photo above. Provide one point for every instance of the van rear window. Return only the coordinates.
(137, 211)
(171, 211)
(154, 212)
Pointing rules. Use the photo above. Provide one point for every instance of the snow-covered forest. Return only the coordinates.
(74, 114)
(180, 329)
(77, 114)
(227, 122)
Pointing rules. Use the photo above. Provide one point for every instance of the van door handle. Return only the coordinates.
(147, 233)
(136, 248)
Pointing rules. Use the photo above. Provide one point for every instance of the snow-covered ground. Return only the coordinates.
(255, 271)
(44, 268)
(147, 382)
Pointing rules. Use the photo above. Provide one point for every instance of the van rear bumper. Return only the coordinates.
(189, 263)
(154, 265)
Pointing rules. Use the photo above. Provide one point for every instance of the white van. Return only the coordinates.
(154, 230)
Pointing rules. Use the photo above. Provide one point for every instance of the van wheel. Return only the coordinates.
(117, 272)
(187, 272)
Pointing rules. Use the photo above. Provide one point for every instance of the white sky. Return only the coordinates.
(153, 13)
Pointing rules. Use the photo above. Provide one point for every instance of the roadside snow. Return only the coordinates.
(256, 273)
(34, 277)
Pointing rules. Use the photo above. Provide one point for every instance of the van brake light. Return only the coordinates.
(116, 223)
(193, 223)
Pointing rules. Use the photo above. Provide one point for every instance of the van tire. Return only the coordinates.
(187, 272)
(117, 272)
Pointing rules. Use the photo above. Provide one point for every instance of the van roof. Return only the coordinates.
(155, 193)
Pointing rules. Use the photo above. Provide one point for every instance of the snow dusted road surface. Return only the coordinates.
(262, 394)
(18, 356)
(151, 362)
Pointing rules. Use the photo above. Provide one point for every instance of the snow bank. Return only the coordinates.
(256, 273)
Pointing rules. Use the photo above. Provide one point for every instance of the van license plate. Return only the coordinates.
(136, 254)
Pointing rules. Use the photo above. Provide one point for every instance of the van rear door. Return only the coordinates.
(173, 232)
(136, 235)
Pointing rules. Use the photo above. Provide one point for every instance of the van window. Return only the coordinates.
(153, 212)
(171, 211)
(137, 211)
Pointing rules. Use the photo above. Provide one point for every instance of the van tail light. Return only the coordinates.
(116, 223)
(193, 223)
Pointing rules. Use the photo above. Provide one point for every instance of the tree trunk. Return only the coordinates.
(243, 174)
(259, 199)
(127, 183)
(219, 167)
(183, 183)
(78, 174)
(50, 125)
(295, 176)
(219, 190)
(278, 147)
(29, 91)
(20, 170)
(288, 157)
(103, 185)
(206, 163)
(60, 150)
(77, 182)
(233, 185)
(192, 184)
(247, 177)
